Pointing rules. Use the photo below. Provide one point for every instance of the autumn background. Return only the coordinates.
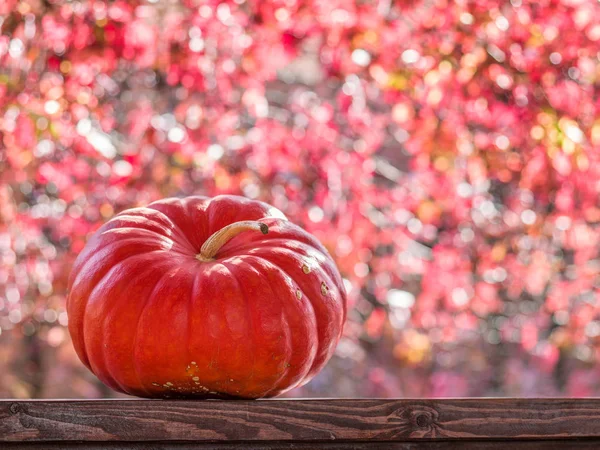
(446, 153)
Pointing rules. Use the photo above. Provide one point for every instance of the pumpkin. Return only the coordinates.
(204, 297)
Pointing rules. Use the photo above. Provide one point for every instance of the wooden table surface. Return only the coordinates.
(301, 424)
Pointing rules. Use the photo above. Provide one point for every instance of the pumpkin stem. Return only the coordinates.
(220, 238)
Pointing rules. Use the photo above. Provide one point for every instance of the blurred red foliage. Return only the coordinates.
(446, 153)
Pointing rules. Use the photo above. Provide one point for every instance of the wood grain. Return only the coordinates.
(422, 445)
(298, 421)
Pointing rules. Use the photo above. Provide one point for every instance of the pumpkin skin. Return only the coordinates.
(150, 319)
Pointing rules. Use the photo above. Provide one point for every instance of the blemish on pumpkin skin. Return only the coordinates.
(168, 383)
(324, 289)
(196, 378)
(305, 269)
(155, 384)
(298, 294)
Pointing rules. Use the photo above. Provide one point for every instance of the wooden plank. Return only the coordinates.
(356, 421)
(423, 445)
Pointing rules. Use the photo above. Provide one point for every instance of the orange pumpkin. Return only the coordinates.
(201, 297)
